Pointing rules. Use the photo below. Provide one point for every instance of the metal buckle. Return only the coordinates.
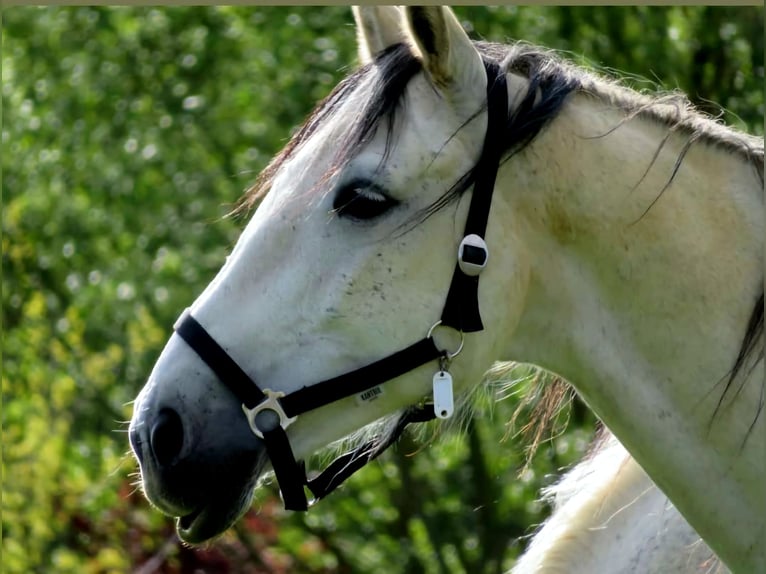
(271, 402)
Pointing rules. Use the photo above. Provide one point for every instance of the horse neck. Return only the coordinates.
(643, 309)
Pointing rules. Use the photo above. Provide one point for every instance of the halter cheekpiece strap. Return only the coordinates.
(270, 412)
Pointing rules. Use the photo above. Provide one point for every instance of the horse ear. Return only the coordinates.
(447, 53)
(377, 28)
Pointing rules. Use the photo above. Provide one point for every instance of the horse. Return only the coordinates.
(452, 203)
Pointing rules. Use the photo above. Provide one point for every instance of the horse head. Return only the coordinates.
(347, 260)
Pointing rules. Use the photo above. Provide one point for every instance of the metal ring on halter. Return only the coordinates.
(449, 355)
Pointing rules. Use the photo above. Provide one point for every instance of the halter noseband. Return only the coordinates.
(270, 412)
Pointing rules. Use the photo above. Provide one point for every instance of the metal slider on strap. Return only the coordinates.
(270, 403)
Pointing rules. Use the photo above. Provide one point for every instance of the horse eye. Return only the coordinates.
(362, 201)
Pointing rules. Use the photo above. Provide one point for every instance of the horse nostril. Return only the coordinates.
(167, 437)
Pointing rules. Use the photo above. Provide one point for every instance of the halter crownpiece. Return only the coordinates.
(270, 412)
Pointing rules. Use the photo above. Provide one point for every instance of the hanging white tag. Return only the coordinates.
(444, 403)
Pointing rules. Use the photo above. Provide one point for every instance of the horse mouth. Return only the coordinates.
(212, 520)
(231, 496)
(197, 527)
(185, 525)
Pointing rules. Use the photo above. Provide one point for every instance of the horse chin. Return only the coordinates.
(215, 517)
(222, 493)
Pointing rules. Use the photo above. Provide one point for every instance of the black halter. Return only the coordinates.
(270, 412)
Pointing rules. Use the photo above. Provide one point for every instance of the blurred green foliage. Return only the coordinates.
(128, 133)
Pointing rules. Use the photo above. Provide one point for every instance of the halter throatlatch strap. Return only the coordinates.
(269, 413)
(461, 310)
(347, 464)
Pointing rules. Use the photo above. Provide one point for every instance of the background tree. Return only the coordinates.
(128, 134)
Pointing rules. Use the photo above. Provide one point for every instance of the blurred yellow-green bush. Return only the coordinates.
(128, 133)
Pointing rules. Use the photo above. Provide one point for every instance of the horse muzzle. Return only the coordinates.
(201, 473)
